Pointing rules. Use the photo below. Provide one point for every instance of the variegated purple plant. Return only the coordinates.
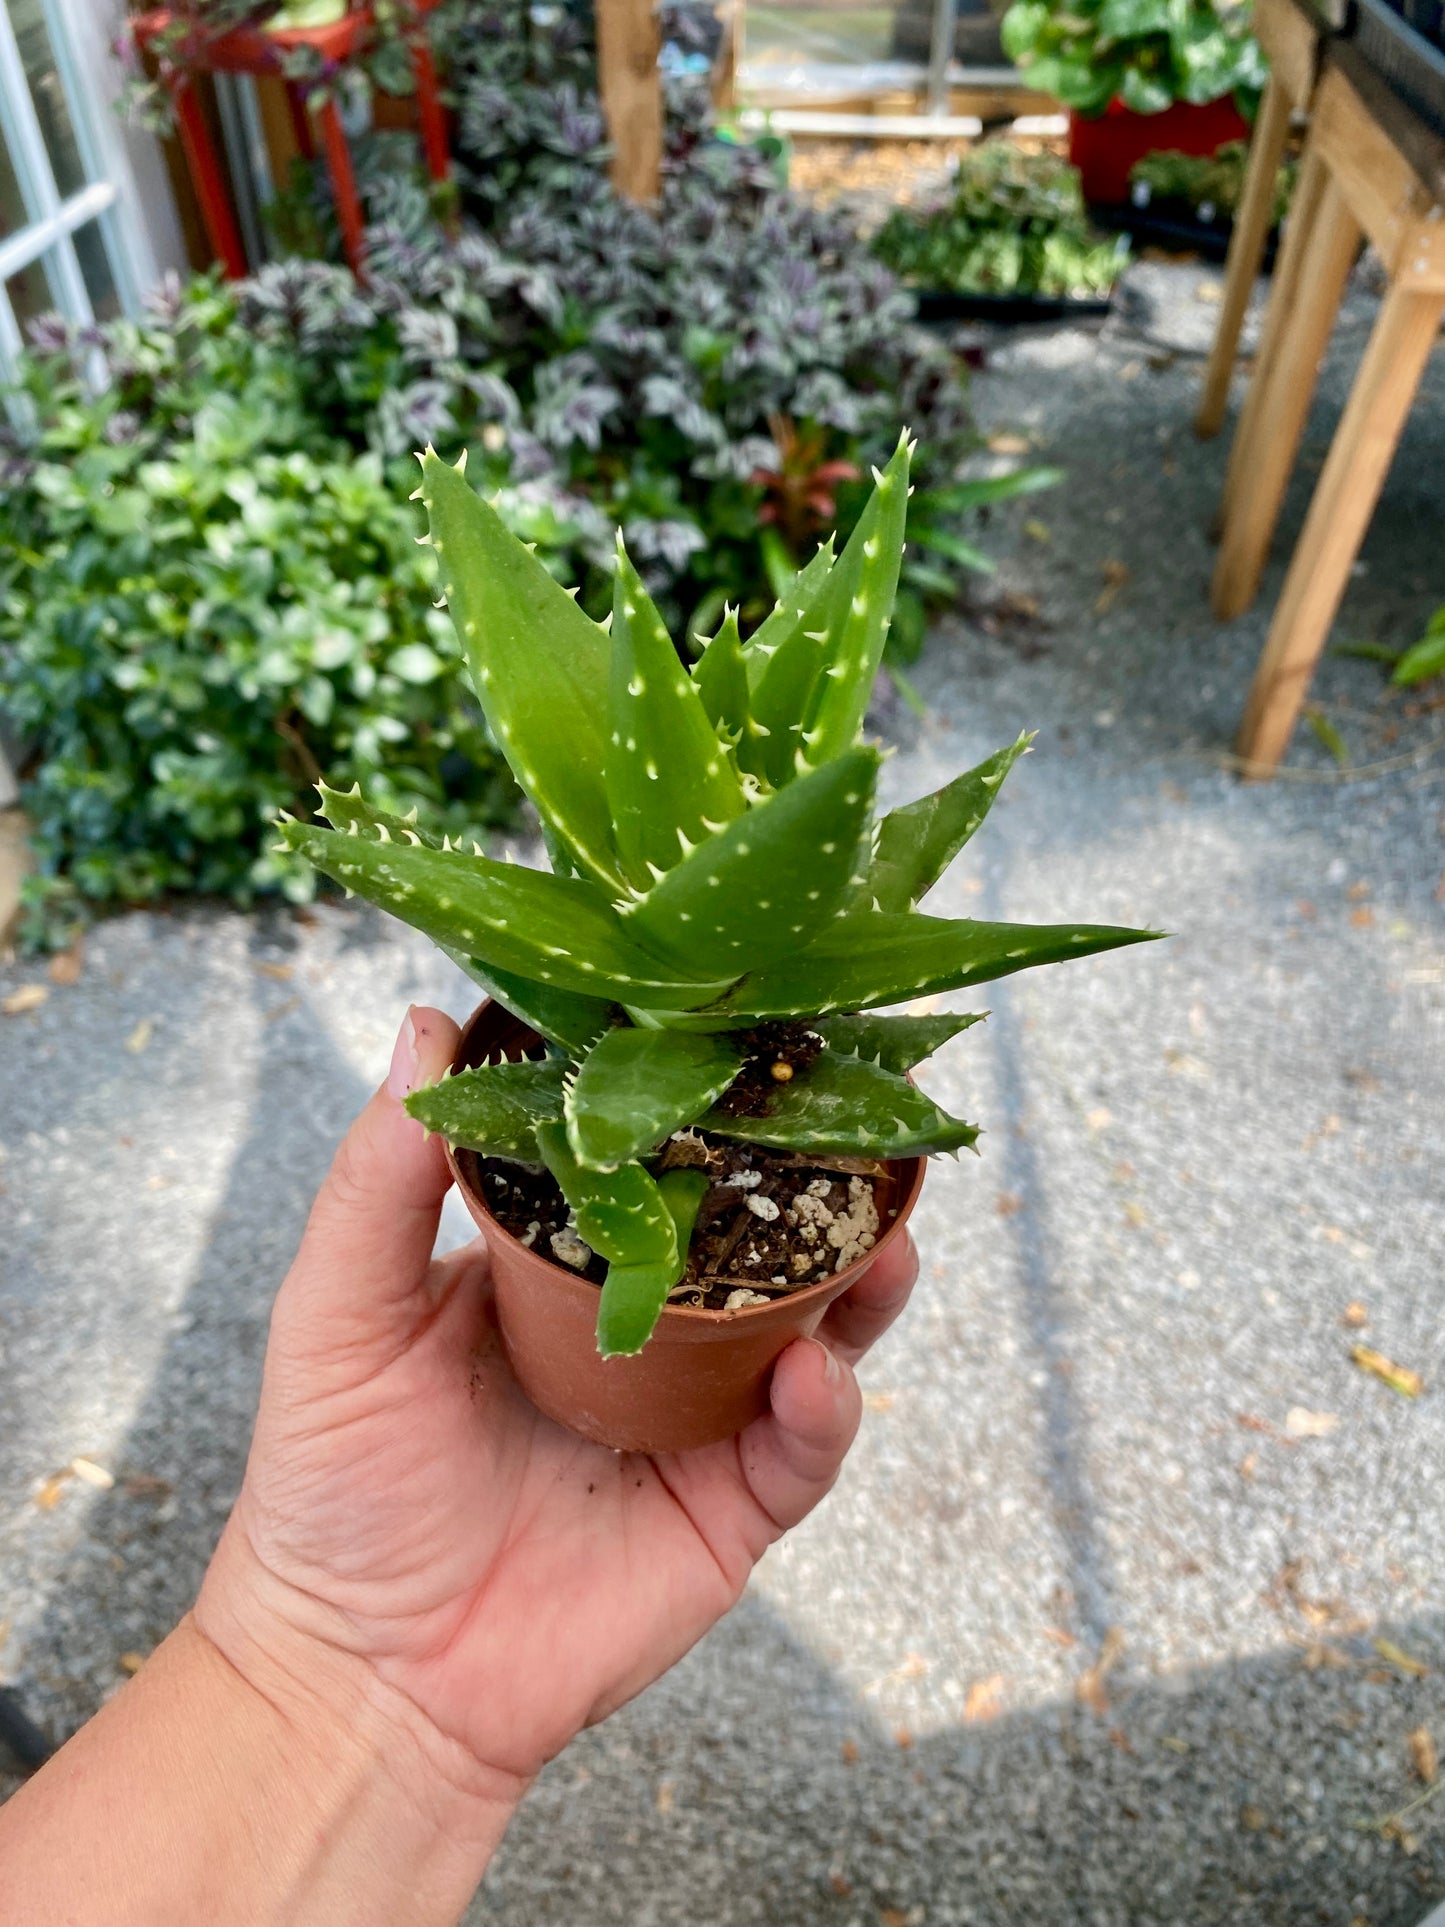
(717, 867)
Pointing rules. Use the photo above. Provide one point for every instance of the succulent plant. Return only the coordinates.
(719, 880)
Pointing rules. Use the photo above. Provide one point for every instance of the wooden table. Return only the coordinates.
(1370, 170)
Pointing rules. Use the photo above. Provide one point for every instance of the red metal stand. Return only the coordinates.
(251, 50)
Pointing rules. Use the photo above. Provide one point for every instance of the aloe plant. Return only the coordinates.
(720, 878)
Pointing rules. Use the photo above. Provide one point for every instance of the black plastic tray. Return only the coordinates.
(1175, 225)
(942, 304)
(1409, 64)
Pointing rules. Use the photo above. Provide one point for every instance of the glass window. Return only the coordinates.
(94, 256)
(13, 212)
(52, 109)
(31, 292)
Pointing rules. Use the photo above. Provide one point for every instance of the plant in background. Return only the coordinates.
(1209, 186)
(1013, 224)
(1147, 53)
(205, 600)
(725, 909)
(1425, 658)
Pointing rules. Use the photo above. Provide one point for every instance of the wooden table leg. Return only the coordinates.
(343, 186)
(1283, 390)
(1278, 313)
(1246, 249)
(1344, 500)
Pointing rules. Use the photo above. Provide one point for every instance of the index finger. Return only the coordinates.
(860, 1317)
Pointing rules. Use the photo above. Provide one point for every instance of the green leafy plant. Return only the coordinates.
(721, 887)
(206, 600)
(1147, 53)
(1210, 186)
(1426, 658)
(1014, 223)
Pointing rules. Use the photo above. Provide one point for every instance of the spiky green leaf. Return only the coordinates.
(917, 843)
(620, 1213)
(721, 676)
(853, 610)
(870, 957)
(638, 1086)
(495, 1109)
(787, 612)
(897, 1043)
(771, 881)
(670, 782)
(556, 930)
(843, 1104)
(539, 665)
(634, 1295)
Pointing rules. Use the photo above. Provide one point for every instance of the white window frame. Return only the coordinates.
(124, 175)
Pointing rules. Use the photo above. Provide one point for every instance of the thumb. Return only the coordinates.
(369, 1239)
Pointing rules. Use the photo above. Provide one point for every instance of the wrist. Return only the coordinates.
(359, 1752)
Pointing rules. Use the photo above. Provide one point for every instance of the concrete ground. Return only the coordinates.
(1133, 1592)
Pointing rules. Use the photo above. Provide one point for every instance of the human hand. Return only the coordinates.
(408, 1513)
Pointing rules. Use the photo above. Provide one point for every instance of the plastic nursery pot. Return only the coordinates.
(1106, 147)
(702, 1375)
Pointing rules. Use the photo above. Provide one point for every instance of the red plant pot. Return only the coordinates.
(703, 1375)
(1106, 147)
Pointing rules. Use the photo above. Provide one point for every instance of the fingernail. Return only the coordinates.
(832, 1370)
(405, 1072)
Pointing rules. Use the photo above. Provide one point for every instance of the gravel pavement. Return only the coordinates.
(1087, 1634)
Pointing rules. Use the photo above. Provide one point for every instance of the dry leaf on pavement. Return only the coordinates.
(92, 1473)
(1089, 1686)
(65, 966)
(1115, 574)
(1399, 1378)
(984, 1699)
(27, 997)
(1424, 1756)
(132, 1662)
(1302, 1424)
(1004, 444)
(140, 1036)
(1354, 1315)
(1400, 1659)
(280, 973)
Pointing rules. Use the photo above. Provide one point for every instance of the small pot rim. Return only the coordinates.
(681, 1315)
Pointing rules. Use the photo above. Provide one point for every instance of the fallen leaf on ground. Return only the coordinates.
(1354, 1315)
(280, 973)
(1060, 1637)
(841, 1886)
(662, 1800)
(850, 1753)
(903, 1739)
(1007, 444)
(145, 1485)
(1399, 1658)
(93, 1474)
(1115, 574)
(1175, 1745)
(1089, 1686)
(1303, 1424)
(892, 1917)
(48, 1497)
(1208, 291)
(1036, 530)
(64, 968)
(1399, 1378)
(1007, 1203)
(1424, 1756)
(140, 1036)
(132, 1662)
(984, 1699)
(1252, 1819)
(27, 997)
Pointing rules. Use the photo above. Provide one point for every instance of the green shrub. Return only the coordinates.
(1210, 185)
(1147, 53)
(205, 601)
(1014, 224)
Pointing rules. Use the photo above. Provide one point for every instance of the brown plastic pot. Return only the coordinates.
(702, 1375)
